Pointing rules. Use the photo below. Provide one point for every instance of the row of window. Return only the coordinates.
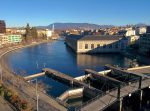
(87, 46)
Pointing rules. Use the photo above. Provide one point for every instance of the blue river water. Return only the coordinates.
(58, 56)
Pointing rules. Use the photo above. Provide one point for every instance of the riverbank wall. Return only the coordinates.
(24, 89)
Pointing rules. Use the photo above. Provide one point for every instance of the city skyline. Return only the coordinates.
(104, 12)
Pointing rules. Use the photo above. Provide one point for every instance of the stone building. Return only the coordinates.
(97, 44)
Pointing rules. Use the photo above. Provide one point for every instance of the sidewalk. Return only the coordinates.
(46, 103)
(4, 105)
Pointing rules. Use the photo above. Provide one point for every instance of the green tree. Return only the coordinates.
(28, 36)
(28, 30)
(34, 33)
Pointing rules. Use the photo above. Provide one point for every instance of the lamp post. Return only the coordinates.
(1, 74)
(37, 102)
(37, 95)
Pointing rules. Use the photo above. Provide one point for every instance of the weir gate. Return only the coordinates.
(102, 88)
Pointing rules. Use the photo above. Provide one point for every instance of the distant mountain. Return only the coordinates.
(65, 26)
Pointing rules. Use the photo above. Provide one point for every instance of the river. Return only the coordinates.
(58, 56)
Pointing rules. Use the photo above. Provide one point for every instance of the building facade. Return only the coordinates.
(14, 38)
(4, 39)
(145, 44)
(130, 32)
(2, 26)
(148, 29)
(97, 44)
(15, 31)
(140, 30)
(134, 39)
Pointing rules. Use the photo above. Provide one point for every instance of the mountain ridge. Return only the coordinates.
(75, 26)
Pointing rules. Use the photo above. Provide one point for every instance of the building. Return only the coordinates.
(140, 30)
(134, 39)
(15, 31)
(45, 33)
(3, 39)
(14, 38)
(0, 41)
(130, 32)
(148, 29)
(145, 44)
(2, 26)
(49, 33)
(41, 33)
(96, 44)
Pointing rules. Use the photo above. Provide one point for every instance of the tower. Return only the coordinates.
(53, 28)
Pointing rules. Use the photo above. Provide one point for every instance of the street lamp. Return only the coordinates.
(37, 102)
(37, 95)
(1, 74)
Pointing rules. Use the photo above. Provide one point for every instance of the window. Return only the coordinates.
(92, 46)
(104, 46)
(86, 46)
(110, 46)
(116, 45)
(98, 45)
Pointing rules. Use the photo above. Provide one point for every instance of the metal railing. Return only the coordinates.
(107, 92)
(95, 98)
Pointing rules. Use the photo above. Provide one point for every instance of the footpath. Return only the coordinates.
(24, 89)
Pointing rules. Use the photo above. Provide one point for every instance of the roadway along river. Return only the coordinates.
(58, 56)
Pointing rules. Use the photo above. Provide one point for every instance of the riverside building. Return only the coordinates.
(14, 38)
(3, 39)
(97, 44)
(9, 39)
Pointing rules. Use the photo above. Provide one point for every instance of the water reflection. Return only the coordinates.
(101, 60)
(58, 56)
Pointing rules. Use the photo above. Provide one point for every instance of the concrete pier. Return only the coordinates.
(64, 78)
(101, 100)
(34, 76)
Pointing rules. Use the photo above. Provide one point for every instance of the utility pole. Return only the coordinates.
(37, 95)
(44, 64)
(37, 65)
(1, 74)
(36, 86)
(37, 102)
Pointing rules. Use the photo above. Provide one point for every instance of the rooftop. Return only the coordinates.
(96, 37)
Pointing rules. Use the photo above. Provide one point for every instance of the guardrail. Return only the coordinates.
(107, 92)
(94, 99)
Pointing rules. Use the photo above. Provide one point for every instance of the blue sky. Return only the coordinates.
(45, 12)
